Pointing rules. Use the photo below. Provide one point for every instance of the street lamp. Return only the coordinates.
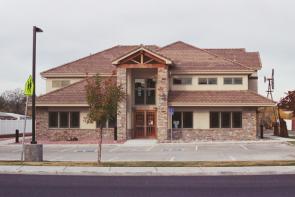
(35, 31)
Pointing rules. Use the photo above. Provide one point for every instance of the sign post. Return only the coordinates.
(29, 86)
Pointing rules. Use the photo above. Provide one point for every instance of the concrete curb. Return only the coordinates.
(147, 171)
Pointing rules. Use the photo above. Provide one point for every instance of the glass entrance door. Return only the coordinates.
(145, 124)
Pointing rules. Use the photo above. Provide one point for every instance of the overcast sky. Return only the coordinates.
(74, 29)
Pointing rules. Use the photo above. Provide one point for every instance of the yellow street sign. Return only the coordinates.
(29, 86)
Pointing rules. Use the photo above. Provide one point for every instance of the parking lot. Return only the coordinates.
(161, 152)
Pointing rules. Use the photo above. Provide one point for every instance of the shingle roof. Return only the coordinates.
(100, 62)
(184, 56)
(190, 58)
(218, 98)
(72, 94)
(250, 59)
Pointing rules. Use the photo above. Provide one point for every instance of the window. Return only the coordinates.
(202, 81)
(182, 120)
(187, 119)
(74, 119)
(60, 83)
(235, 80)
(212, 81)
(111, 123)
(237, 119)
(228, 81)
(214, 119)
(238, 80)
(182, 81)
(53, 119)
(145, 91)
(176, 120)
(64, 120)
(225, 119)
(209, 81)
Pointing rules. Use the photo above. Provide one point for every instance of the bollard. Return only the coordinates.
(16, 136)
(115, 134)
(261, 131)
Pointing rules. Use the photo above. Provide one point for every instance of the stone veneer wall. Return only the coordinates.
(122, 111)
(162, 92)
(248, 132)
(44, 133)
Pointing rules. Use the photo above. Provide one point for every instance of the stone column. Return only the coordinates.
(122, 111)
(162, 93)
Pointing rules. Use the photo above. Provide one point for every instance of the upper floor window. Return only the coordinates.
(205, 81)
(145, 91)
(60, 83)
(182, 81)
(233, 80)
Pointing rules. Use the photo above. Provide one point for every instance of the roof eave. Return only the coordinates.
(59, 75)
(61, 105)
(178, 104)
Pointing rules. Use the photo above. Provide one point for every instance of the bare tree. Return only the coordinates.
(13, 101)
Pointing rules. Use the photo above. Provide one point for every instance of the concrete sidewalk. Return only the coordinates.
(147, 171)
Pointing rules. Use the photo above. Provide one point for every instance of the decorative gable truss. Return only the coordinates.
(142, 56)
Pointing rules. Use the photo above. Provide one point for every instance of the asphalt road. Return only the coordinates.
(206, 186)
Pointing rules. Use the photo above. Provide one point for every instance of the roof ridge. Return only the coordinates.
(234, 62)
(79, 59)
(60, 89)
(244, 49)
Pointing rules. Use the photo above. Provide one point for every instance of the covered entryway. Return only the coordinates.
(144, 124)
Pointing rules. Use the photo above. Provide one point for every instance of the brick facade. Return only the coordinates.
(248, 132)
(43, 133)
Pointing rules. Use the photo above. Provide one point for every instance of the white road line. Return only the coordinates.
(196, 148)
(244, 147)
(66, 149)
(172, 158)
(114, 149)
(232, 158)
(150, 148)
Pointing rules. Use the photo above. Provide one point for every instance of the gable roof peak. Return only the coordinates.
(145, 48)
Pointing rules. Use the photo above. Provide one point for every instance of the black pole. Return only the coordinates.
(35, 30)
(16, 136)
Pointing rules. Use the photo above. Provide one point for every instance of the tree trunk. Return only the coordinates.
(99, 151)
(283, 128)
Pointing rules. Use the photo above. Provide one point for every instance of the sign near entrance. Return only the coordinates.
(171, 111)
(29, 86)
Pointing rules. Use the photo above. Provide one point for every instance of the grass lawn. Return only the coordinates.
(158, 163)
